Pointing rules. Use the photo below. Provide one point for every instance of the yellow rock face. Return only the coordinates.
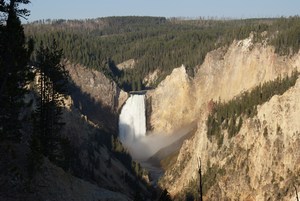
(257, 166)
(172, 102)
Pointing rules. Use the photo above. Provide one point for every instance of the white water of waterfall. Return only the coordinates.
(132, 131)
(132, 120)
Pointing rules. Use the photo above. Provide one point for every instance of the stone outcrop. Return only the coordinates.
(91, 116)
(129, 64)
(225, 73)
(97, 85)
(95, 96)
(151, 78)
(262, 161)
(95, 172)
(171, 102)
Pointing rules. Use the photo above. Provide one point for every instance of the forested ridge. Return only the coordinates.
(155, 42)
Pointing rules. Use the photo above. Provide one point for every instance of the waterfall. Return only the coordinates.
(132, 131)
(132, 120)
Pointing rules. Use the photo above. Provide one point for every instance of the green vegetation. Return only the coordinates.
(15, 74)
(122, 154)
(154, 42)
(229, 116)
(191, 191)
(15, 53)
(288, 39)
(209, 178)
(46, 138)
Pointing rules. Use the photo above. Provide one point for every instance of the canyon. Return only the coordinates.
(261, 162)
(267, 164)
(249, 166)
(254, 164)
(149, 108)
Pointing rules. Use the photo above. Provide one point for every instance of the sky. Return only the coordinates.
(83, 9)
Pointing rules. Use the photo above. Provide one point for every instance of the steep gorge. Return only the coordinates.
(91, 117)
(259, 162)
(225, 73)
(181, 100)
(240, 163)
(239, 167)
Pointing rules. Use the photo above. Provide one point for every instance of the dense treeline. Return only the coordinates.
(288, 39)
(154, 42)
(229, 115)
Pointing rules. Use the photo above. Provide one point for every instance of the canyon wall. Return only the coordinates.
(97, 85)
(225, 73)
(260, 163)
(96, 96)
(252, 165)
(171, 102)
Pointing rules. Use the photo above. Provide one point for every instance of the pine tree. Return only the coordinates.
(165, 196)
(51, 87)
(14, 69)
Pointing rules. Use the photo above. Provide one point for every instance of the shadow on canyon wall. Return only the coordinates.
(103, 115)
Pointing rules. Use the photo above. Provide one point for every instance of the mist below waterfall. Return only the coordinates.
(132, 130)
(143, 148)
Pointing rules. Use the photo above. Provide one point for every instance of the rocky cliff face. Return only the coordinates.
(97, 85)
(172, 102)
(91, 117)
(94, 158)
(95, 96)
(225, 73)
(96, 170)
(262, 161)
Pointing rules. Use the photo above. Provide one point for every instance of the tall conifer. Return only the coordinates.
(14, 69)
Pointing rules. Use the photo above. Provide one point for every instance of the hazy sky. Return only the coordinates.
(81, 9)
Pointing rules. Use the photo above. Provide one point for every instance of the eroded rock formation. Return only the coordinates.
(262, 161)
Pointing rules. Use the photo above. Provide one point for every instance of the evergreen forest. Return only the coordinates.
(156, 43)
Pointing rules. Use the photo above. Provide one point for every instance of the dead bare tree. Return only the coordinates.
(296, 192)
(200, 179)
